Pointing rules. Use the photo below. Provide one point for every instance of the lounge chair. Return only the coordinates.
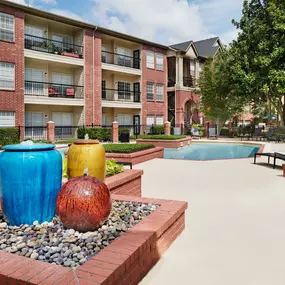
(257, 134)
(269, 134)
(274, 155)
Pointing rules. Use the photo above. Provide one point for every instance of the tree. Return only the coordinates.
(218, 92)
(258, 55)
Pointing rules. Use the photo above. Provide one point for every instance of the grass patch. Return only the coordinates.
(65, 141)
(162, 137)
(126, 148)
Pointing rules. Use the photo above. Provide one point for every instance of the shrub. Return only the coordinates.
(126, 148)
(200, 129)
(124, 131)
(113, 168)
(157, 130)
(101, 134)
(9, 136)
(162, 137)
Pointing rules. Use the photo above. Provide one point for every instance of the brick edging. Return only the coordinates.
(125, 261)
(166, 143)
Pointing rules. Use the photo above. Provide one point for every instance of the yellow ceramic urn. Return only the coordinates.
(86, 156)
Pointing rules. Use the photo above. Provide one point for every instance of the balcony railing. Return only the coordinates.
(120, 59)
(117, 95)
(35, 88)
(188, 81)
(52, 46)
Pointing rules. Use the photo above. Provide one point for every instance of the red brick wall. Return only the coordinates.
(14, 53)
(88, 76)
(182, 96)
(93, 77)
(155, 76)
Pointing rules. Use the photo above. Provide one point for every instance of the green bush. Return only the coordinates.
(113, 168)
(101, 134)
(162, 137)
(200, 129)
(9, 136)
(157, 130)
(124, 131)
(126, 148)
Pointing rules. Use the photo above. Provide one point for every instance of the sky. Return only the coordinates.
(163, 21)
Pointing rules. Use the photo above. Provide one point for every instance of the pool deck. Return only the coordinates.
(234, 223)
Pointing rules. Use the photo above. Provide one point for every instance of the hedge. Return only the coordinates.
(157, 130)
(101, 134)
(126, 148)
(9, 136)
(162, 137)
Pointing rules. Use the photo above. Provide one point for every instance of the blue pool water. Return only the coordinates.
(211, 151)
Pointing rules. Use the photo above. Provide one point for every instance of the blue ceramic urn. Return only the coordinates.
(30, 179)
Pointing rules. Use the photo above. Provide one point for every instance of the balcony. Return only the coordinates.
(123, 96)
(188, 81)
(53, 47)
(53, 93)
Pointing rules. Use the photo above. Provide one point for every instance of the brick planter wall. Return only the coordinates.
(128, 182)
(126, 261)
(166, 143)
(137, 157)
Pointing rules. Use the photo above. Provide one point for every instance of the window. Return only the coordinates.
(7, 119)
(63, 123)
(34, 31)
(159, 92)
(150, 59)
(149, 120)
(103, 54)
(159, 61)
(124, 57)
(62, 41)
(62, 78)
(124, 90)
(7, 76)
(150, 91)
(192, 67)
(159, 120)
(124, 119)
(34, 123)
(34, 82)
(6, 27)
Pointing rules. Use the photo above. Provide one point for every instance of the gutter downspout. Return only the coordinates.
(93, 74)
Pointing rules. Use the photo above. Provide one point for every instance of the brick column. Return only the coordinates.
(115, 132)
(167, 128)
(50, 131)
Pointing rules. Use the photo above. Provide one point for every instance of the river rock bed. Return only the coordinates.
(50, 242)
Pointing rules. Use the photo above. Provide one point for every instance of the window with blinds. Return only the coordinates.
(7, 76)
(62, 41)
(150, 91)
(7, 119)
(149, 120)
(34, 82)
(124, 90)
(159, 92)
(7, 27)
(159, 61)
(159, 120)
(150, 59)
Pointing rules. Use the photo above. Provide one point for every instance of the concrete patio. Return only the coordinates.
(235, 233)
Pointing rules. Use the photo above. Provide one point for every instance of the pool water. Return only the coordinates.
(211, 151)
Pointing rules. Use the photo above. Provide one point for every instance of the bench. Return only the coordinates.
(275, 155)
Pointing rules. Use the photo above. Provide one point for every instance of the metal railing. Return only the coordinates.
(35, 132)
(34, 88)
(52, 46)
(188, 81)
(120, 59)
(65, 132)
(117, 95)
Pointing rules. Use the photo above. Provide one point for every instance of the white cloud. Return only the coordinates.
(168, 21)
(229, 36)
(66, 13)
(19, 2)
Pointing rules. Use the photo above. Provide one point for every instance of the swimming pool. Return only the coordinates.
(211, 151)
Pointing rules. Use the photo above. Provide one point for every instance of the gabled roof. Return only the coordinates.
(182, 46)
(208, 48)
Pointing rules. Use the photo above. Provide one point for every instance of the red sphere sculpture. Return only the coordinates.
(83, 203)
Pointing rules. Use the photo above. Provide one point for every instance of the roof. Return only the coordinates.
(182, 46)
(77, 23)
(206, 47)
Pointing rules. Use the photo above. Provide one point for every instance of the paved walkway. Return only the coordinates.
(235, 222)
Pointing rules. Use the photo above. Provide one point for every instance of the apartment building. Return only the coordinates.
(185, 63)
(58, 69)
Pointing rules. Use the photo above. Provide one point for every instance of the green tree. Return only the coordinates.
(258, 55)
(218, 92)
